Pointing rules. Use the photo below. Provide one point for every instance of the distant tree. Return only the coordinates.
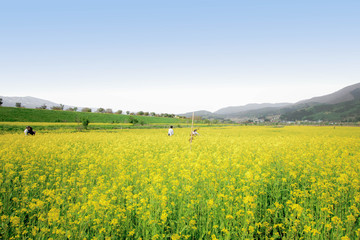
(86, 109)
(74, 109)
(153, 114)
(18, 104)
(207, 121)
(100, 110)
(127, 112)
(109, 110)
(59, 108)
(85, 122)
(132, 113)
(141, 113)
(43, 106)
(119, 112)
(146, 113)
(133, 120)
(1, 102)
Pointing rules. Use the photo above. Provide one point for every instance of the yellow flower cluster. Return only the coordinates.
(234, 183)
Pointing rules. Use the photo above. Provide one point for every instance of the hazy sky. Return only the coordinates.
(177, 56)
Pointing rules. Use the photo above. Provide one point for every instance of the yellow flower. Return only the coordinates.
(351, 219)
(131, 233)
(175, 237)
(336, 220)
(307, 229)
(15, 221)
(53, 215)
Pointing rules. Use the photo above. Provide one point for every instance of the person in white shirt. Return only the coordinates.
(194, 133)
(171, 131)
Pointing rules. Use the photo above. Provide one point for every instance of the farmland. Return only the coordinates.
(11, 114)
(15, 119)
(235, 183)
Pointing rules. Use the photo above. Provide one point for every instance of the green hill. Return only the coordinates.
(345, 112)
(10, 114)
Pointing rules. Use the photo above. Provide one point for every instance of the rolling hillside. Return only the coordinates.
(348, 111)
(10, 114)
(342, 105)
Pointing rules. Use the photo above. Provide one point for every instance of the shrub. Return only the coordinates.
(133, 120)
(85, 122)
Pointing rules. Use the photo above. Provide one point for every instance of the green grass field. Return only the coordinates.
(10, 114)
(15, 119)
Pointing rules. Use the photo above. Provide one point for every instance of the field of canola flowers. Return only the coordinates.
(235, 183)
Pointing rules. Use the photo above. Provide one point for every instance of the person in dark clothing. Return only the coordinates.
(29, 130)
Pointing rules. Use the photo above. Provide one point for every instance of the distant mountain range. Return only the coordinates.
(342, 105)
(249, 107)
(28, 102)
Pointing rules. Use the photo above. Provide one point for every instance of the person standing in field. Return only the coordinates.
(171, 131)
(29, 130)
(195, 133)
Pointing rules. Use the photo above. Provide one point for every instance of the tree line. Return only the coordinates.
(61, 107)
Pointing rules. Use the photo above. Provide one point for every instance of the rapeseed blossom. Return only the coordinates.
(235, 183)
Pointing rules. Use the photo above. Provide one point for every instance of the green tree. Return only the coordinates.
(207, 121)
(86, 109)
(85, 122)
(100, 110)
(133, 120)
(18, 104)
(1, 101)
(59, 108)
(74, 109)
(119, 112)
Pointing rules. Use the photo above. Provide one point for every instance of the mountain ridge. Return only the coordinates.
(250, 106)
(349, 94)
(29, 102)
(342, 95)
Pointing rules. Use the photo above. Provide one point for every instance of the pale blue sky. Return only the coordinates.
(177, 56)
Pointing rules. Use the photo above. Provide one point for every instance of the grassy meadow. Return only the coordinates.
(235, 183)
(16, 119)
(11, 114)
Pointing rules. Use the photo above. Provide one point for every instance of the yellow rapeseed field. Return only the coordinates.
(235, 183)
